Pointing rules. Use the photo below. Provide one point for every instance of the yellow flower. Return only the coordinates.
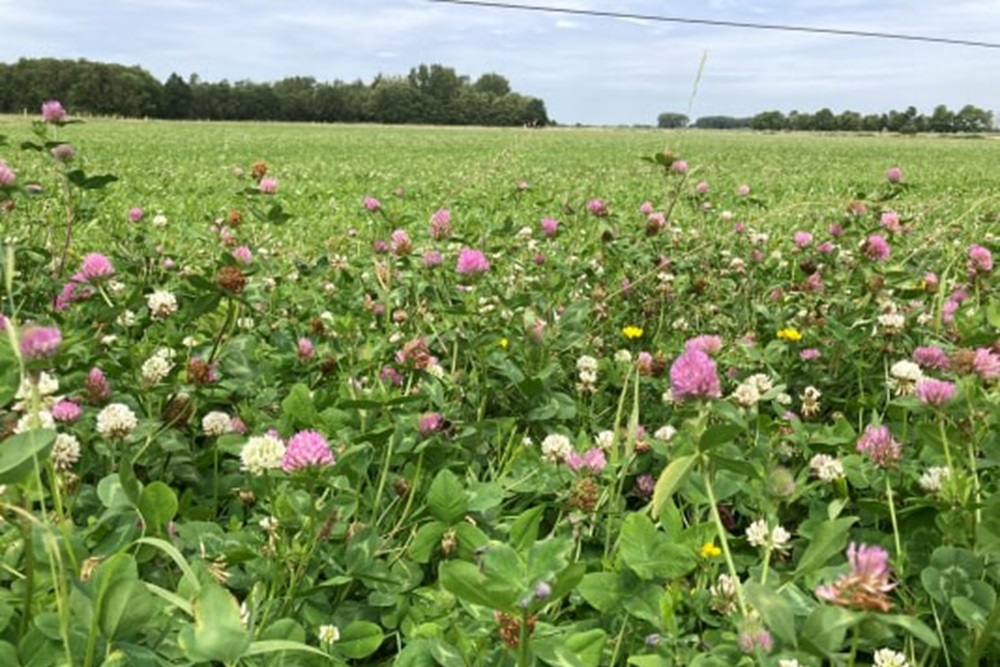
(709, 550)
(503, 343)
(790, 334)
(632, 332)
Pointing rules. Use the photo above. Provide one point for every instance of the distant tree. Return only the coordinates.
(175, 102)
(801, 121)
(849, 121)
(824, 120)
(942, 119)
(769, 120)
(671, 120)
(492, 84)
(722, 123)
(973, 119)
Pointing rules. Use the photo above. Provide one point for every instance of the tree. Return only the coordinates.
(769, 121)
(671, 120)
(492, 84)
(824, 120)
(175, 102)
(849, 121)
(973, 119)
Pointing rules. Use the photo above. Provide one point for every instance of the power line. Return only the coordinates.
(724, 24)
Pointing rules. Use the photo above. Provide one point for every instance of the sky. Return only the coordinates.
(588, 70)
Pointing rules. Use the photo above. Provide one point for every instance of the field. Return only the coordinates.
(307, 395)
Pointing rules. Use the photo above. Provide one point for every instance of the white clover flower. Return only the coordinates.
(160, 220)
(269, 283)
(746, 394)
(189, 342)
(33, 421)
(588, 377)
(65, 452)
(903, 377)
(891, 323)
(556, 447)
(262, 453)
(157, 366)
(886, 657)
(328, 634)
(162, 304)
(586, 364)
(761, 382)
(245, 323)
(810, 401)
(665, 433)
(724, 594)
(116, 421)
(761, 536)
(604, 440)
(826, 467)
(758, 534)
(933, 479)
(789, 662)
(269, 524)
(623, 357)
(436, 370)
(116, 287)
(523, 234)
(126, 318)
(216, 423)
(47, 386)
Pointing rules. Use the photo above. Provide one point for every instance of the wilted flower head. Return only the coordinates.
(63, 152)
(306, 448)
(882, 449)
(866, 585)
(471, 261)
(53, 112)
(693, 376)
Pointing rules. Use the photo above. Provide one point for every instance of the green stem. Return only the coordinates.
(383, 476)
(721, 530)
(984, 638)
(523, 654)
(895, 525)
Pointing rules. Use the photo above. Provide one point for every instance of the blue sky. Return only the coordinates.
(588, 70)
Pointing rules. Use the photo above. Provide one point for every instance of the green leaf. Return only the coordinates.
(18, 453)
(359, 640)
(446, 498)
(824, 630)
(298, 407)
(602, 591)
(158, 505)
(265, 646)
(123, 603)
(649, 553)
(651, 660)
(775, 611)
(465, 580)
(670, 480)
(718, 434)
(170, 550)
(217, 632)
(524, 530)
(829, 539)
(914, 626)
(427, 541)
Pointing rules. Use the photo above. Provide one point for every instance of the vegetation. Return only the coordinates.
(943, 120)
(429, 95)
(309, 395)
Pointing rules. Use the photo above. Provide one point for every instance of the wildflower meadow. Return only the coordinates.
(280, 394)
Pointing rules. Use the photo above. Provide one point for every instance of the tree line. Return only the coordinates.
(910, 121)
(432, 94)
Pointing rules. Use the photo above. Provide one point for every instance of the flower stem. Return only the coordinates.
(895, 525)
(721, 529)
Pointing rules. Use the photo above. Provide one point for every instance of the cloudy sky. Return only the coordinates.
(588, 70)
